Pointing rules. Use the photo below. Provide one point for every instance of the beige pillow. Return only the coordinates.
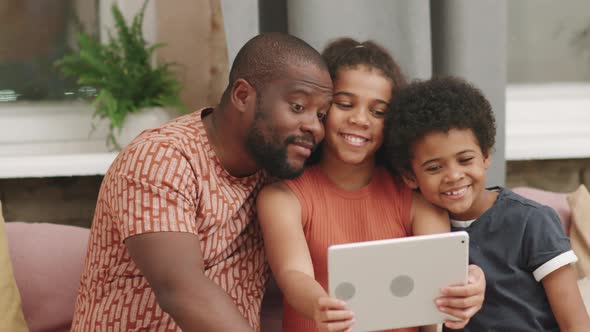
(10, 304)
(584, 286)
(579, 202)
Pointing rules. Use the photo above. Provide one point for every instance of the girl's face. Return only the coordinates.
(354, 127)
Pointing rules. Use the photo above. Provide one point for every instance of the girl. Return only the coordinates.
(346, 195)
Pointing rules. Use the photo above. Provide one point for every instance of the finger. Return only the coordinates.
(475, 272)
(330, 303)
(462, 290)
(456, 324)
(337, 315)
(459, 302)
(339, 326)
(476, 283)
(476, 276)
(460, 314)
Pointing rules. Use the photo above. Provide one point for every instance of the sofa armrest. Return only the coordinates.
(48, 260)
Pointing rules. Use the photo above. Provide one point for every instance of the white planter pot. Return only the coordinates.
(135, 123)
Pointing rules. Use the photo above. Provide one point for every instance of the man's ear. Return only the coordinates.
(410, 179)
(243, 95)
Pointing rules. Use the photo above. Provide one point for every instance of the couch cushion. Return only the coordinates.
(579, 202)
(10, 302)
(48, 261)
(584, 286)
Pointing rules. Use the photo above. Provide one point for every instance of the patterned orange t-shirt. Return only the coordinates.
(170, 180)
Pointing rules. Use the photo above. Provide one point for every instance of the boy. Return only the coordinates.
(440, 134)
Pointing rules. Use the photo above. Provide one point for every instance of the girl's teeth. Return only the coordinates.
(354, 139)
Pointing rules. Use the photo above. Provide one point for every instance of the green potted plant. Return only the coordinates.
(122, 72)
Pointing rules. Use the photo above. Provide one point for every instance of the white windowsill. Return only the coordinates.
(542, 122)
(52, 139)
(56, 165)
(549, 121)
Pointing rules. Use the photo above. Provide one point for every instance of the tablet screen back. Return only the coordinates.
(393, 283)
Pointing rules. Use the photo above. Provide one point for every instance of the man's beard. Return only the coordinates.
(270, 153)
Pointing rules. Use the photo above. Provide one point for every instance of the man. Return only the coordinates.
(173, 245)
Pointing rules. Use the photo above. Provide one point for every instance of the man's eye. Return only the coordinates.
(344, 105)
(466, 160)
(297, 108)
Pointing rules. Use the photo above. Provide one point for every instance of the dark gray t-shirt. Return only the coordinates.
(516, 242)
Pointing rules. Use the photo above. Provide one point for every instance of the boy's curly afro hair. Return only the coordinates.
(435, 105)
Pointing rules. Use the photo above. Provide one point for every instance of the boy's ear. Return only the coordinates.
(487, 160)
(410, 179)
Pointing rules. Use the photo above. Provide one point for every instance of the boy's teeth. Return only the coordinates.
(456, 192)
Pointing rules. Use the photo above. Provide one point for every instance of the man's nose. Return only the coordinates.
(313, 125)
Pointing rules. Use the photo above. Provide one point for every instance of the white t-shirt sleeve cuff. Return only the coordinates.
(555, 263)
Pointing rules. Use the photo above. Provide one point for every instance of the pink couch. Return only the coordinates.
(48, 261)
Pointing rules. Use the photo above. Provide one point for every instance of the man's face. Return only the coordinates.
(287, 124)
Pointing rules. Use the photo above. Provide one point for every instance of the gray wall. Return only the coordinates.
(241, 22)
(458, 37)
(402, 26)
(469, 40)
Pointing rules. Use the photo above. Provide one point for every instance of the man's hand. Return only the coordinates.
(332, 315)
(464, 301)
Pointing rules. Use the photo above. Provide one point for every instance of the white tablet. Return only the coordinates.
(393, 283)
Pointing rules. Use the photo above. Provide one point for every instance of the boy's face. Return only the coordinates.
(450, 170)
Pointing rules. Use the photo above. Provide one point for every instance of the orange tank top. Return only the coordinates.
(332, 215)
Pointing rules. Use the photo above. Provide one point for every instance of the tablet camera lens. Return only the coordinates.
(402, 286)
(345, 291)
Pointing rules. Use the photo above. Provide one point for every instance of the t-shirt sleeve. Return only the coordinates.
(546, 248)
(153, 188)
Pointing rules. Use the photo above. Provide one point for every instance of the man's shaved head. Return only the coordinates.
(266, 57)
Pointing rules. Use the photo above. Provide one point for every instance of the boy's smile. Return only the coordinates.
(450, 170)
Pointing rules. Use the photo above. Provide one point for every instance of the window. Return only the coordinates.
(33, 35)
(548, 41)
(548, 72)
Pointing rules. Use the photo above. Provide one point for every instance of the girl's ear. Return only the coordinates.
(410, 179)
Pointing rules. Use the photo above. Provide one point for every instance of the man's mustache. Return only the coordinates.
(302, 139)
